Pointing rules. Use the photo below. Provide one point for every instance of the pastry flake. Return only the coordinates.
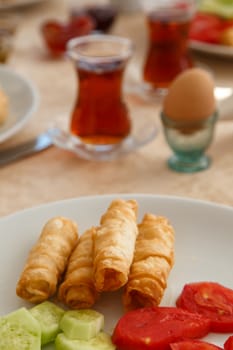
(114, 245)
(47, 260)
(153, 260)
(77, 290)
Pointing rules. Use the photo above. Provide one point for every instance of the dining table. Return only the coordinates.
(56, 174)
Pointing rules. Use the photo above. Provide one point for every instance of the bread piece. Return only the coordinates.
(77, 290)
(114, 245)
(4, 107)
(47, 260)
(153, 260)
(226, 37)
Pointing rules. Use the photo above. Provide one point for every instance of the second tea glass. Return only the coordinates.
(168, 23)
(100, 117)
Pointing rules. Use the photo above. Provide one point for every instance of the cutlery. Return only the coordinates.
(38, 144)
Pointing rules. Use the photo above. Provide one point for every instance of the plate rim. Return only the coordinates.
(182, 199)
(16, 127)
(112, 314)
(214, 49)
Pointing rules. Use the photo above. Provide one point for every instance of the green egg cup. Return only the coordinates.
(189, 142)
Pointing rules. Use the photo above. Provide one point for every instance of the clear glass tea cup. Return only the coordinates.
(100, 117)
(168, 23)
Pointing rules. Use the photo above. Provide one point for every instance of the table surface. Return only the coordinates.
(56, 174)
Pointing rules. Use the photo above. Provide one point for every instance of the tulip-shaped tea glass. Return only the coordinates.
(189, 142)
(100, 118)
(168, 23)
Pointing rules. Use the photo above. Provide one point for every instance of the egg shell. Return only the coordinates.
(190, 96)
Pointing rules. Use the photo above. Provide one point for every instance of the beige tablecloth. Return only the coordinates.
(55, 174)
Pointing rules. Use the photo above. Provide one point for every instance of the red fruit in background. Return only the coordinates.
(206, 28)
(102, 15)
(56, 34)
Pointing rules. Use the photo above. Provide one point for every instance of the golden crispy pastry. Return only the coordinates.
(77, 290)
(153, 260)
(47, 260)
(114, 245)
(4, 106)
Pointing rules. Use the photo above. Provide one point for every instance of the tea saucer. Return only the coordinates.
(137, 139)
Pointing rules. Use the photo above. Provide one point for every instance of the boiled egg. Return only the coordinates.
(190, 96)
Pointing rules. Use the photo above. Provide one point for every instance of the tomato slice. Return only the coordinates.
(156, 327)
(193, 345)
(228, 345)
(206, 28)
(211, 300)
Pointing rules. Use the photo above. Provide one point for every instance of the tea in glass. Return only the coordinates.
(168, 25)
(100, 116)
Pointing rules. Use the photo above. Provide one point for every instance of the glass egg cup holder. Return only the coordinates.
(189, 141)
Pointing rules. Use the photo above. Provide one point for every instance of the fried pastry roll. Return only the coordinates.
(153, 260)
(47, 260)
(114, 245)
(77, 290)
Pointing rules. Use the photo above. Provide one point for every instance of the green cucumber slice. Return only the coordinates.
(48, 315)
(19, 330)
(101, 342)
(223, 8)
(82, 324)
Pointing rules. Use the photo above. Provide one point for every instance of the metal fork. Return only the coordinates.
(38, 144)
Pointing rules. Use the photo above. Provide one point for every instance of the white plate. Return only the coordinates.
(23, 101)
(8, 4)
(203, 248)
(217, 50)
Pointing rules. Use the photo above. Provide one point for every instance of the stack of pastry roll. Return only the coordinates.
(47, 260)
(77, 290)
(114, 245)
(153, 260)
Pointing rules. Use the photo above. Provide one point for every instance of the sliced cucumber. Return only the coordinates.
(223, 8)
(82, 324)
(48, 315)
(19, 330)
(101, 342)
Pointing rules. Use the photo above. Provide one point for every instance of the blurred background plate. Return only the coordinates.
(23, 101)
(219, 50)
(7, 4)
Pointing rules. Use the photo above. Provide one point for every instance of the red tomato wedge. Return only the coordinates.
(211, 300)
(193, 345)
(206, 28)
(156, 327)
(228, 345)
